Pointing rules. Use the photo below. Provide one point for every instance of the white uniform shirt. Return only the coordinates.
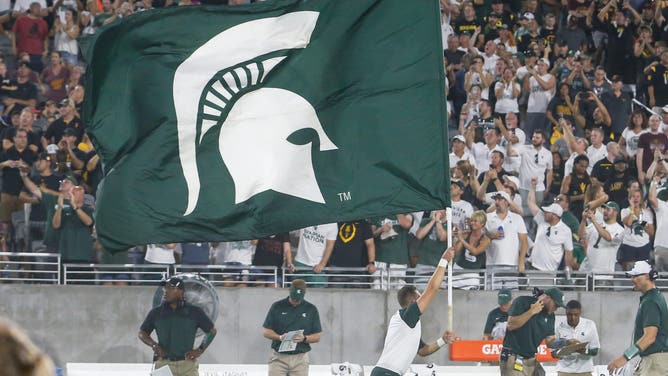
(483, 155)
(585, 331)
(661, 235)
(312, 242)
(630, 237)
(505, 251)
(548, 250)
(239, 251)
(401, 344)
(508, 102)
(465, 157)
(602, 254)
(531, 169)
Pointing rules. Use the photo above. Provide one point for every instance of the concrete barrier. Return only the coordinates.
(99, 324)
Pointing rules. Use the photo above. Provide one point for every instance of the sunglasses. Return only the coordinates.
(549, 231)
(536, 158)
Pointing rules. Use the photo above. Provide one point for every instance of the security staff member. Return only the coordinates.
(286, 315)
(497, 319)
(176, 323)
(650, 334)
(530, 321)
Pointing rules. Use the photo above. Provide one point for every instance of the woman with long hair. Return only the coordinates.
(628, 142)
(464, 173)
(471, 247)
(638, 228)
(65, 38)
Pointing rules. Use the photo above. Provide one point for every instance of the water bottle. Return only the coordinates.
(501, 234)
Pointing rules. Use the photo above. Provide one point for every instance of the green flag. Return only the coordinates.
(219, 123)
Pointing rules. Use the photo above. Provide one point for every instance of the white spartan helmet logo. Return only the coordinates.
(253, 136)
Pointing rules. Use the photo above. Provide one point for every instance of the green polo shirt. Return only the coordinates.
(652, 312)
(494, 316)
(431, 249)
(392, 250)
(283, 317)
(176, 328)
(51, 235)
(525, 339)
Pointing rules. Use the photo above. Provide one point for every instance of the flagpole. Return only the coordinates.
(448, 218)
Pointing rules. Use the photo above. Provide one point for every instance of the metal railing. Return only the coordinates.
(46, 268)
(30, 267)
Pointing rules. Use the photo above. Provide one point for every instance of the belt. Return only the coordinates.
(173, 358)
(508, 353)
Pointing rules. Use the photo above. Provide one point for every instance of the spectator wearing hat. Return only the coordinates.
(638, 229)
(602, 239)
(616, 184)
(604, 167)
(508, 249)
(31, 35)
(75, 156)
(47, 180)
(287, 315)
(618, 103)
(21, 91)
(661, 237)
(73, 219)
(540, 84)
(658, 84)
(648, 144)
(650, 333)
(68, 119)
(553, 245)
(176, 322)
(459, 152)
(530, 321)
(531, 33)
(497, 319)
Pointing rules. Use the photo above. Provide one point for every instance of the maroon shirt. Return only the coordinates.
(650, 142)
(30, 35)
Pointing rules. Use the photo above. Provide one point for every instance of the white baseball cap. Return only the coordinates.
(459, 137)
(555, 209)
(503, 194)
(513, 179)
(51, 148)
(665, 108)
(640, 267)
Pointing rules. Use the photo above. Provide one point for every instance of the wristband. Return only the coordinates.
(631, 352)
(443, 263)
(440, 342)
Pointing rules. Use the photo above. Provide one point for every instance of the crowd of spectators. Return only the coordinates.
(558, 116)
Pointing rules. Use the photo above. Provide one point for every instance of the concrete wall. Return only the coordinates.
(100, 324)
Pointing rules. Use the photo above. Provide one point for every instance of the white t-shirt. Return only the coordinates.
(585, 331)
(460, 211)
(548, 250)
(416, 222)
(159, 254)
(534, 164)
(595, 155)
(508, 102)
(505, 251)
(539, 98)
(489, 64)
(240, 251)
(631, 139)
(602, 254)
(630, 237)
(465, 157)
(312, 243)
(661, 235)
(401, 344)
(483, 155)
(568, 165)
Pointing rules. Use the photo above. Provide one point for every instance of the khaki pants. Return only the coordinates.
(8, 205)
(288, 364)
(655, 364)
(180, 367)
(508, 367)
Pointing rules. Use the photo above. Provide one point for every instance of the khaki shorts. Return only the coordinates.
(654, 364)
(8, 205)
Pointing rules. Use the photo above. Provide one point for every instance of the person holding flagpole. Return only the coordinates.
(403, 341)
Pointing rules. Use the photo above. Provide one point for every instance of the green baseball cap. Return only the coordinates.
(505, 296)
(557, 296)
(297, 293)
